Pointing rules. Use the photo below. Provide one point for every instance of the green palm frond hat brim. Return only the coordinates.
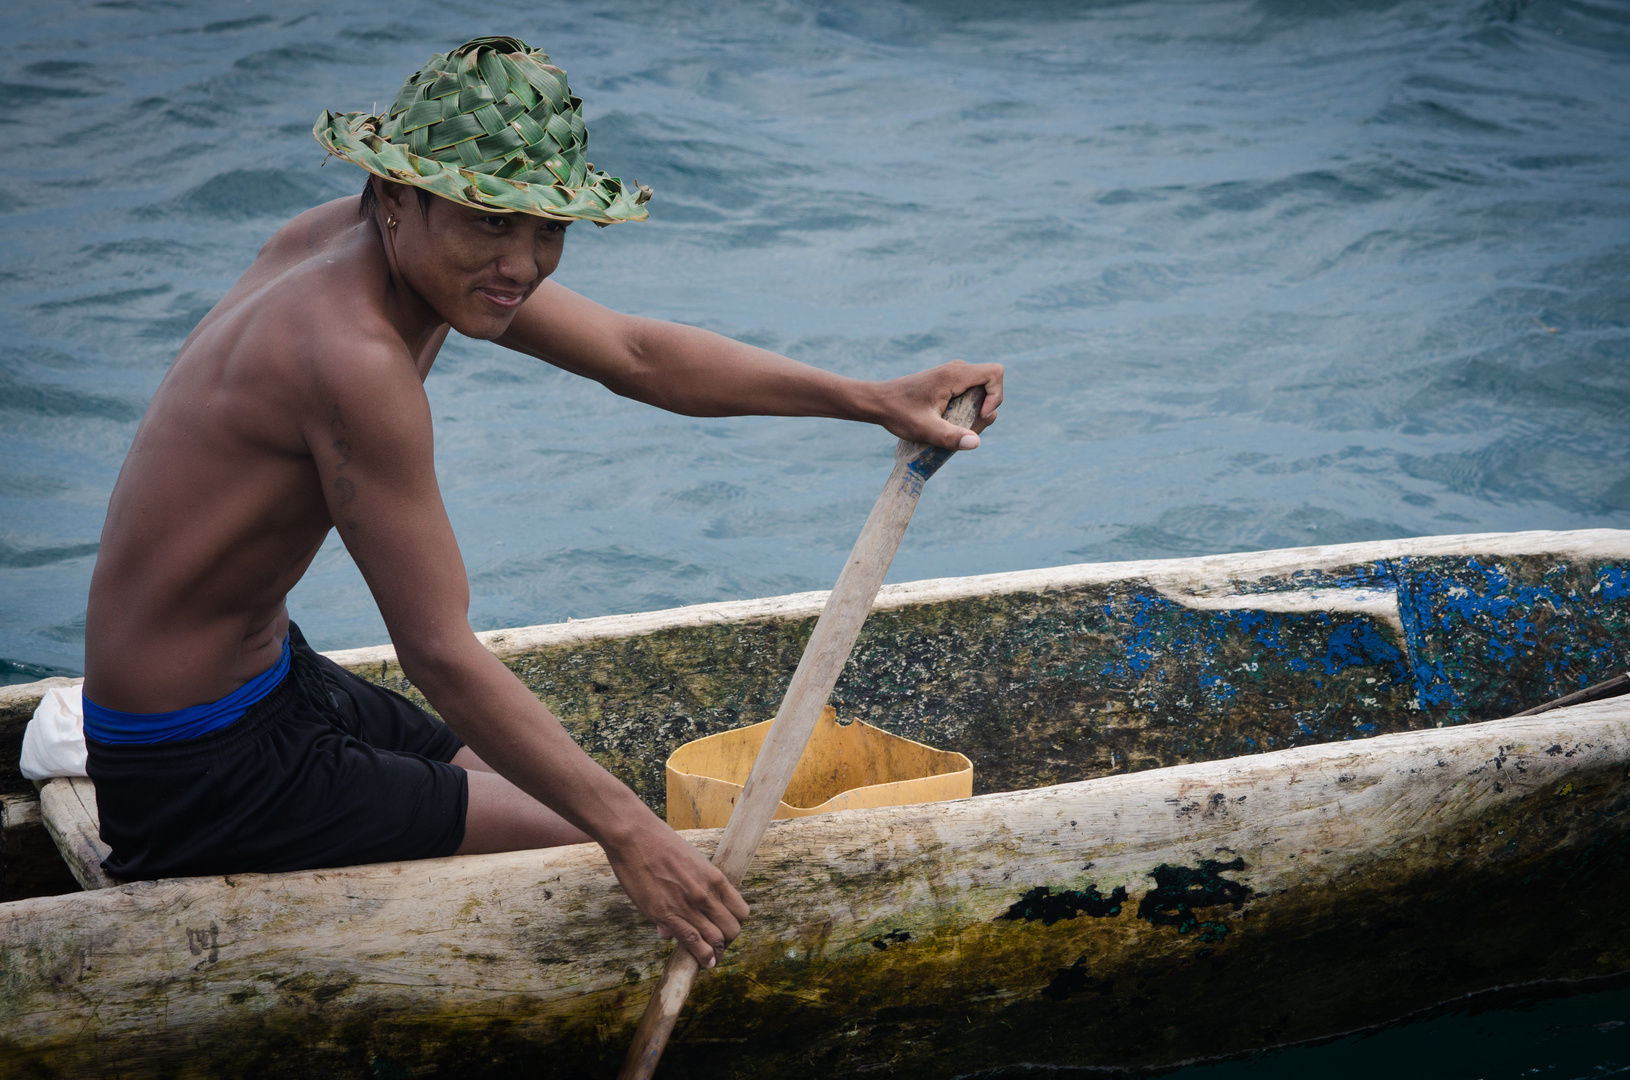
(492, 125)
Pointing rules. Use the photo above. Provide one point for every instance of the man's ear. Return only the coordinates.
(392, 196)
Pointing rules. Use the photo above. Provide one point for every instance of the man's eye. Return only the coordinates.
(497, 220)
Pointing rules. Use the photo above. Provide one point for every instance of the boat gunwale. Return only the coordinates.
(1202, 577)
(1179, 575)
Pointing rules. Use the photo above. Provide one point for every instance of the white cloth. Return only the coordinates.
(54, 741)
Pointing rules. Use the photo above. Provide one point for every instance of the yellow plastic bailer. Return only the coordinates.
(844, 767)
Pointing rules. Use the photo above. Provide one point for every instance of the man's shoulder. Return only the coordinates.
(342, 346)
(320, 364)
(308, 232)
(313, 335)
(313, 297)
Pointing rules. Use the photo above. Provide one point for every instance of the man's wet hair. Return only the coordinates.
(370, 201)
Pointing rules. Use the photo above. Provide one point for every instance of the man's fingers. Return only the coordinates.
(706, 944)
(947, 435)
(728, 926)
(952, 437)
(690, 939)
(726, 907)
(711, 923)
(993, 393)
(964, 376)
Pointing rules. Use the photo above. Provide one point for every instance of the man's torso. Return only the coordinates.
(219, 509)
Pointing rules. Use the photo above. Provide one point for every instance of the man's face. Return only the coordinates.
(474, 267)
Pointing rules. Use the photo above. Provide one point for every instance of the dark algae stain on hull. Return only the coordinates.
(1182, 892)
(1050, 907)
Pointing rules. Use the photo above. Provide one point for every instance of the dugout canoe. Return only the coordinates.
(1222, 804)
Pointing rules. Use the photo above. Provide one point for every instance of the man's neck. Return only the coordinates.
(420, 325)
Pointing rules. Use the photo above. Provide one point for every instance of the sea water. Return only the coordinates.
(1263, 273)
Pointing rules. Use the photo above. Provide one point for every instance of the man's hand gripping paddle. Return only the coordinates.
(823, 660)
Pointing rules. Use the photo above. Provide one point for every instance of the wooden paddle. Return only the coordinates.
(823, 660)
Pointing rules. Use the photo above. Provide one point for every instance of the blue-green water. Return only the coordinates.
(1582, 1038)
(1264, 273)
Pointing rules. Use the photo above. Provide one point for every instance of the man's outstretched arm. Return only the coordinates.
(688, 370)
(369, 432)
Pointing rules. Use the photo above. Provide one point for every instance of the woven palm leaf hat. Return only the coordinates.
(492, 125)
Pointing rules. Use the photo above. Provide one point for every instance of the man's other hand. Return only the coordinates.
(675, 887)
(913, 406)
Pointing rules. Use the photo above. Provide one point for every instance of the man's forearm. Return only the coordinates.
(686, 369)
(671, 882)
(491, 710)
(697, 372)
(689, 370)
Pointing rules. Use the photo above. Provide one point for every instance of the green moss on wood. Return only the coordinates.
(1048, 688)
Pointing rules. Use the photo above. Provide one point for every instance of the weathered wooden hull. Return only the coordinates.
(1238, 900)
(1132, 920)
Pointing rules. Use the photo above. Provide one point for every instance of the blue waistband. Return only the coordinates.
(113, 726)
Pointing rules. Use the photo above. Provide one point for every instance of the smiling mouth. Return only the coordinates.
(504, 298)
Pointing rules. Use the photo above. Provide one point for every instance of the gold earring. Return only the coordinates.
(390, 221)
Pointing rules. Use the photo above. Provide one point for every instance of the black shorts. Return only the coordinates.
(326, 770)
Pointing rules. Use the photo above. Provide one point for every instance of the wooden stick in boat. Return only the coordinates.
(1618, 684)
(818, 670)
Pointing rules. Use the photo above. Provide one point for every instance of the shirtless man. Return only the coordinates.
(219, 742)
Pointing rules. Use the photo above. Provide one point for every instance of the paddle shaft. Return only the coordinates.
(818, 670)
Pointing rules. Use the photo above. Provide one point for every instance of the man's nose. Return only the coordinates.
(521, 267)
